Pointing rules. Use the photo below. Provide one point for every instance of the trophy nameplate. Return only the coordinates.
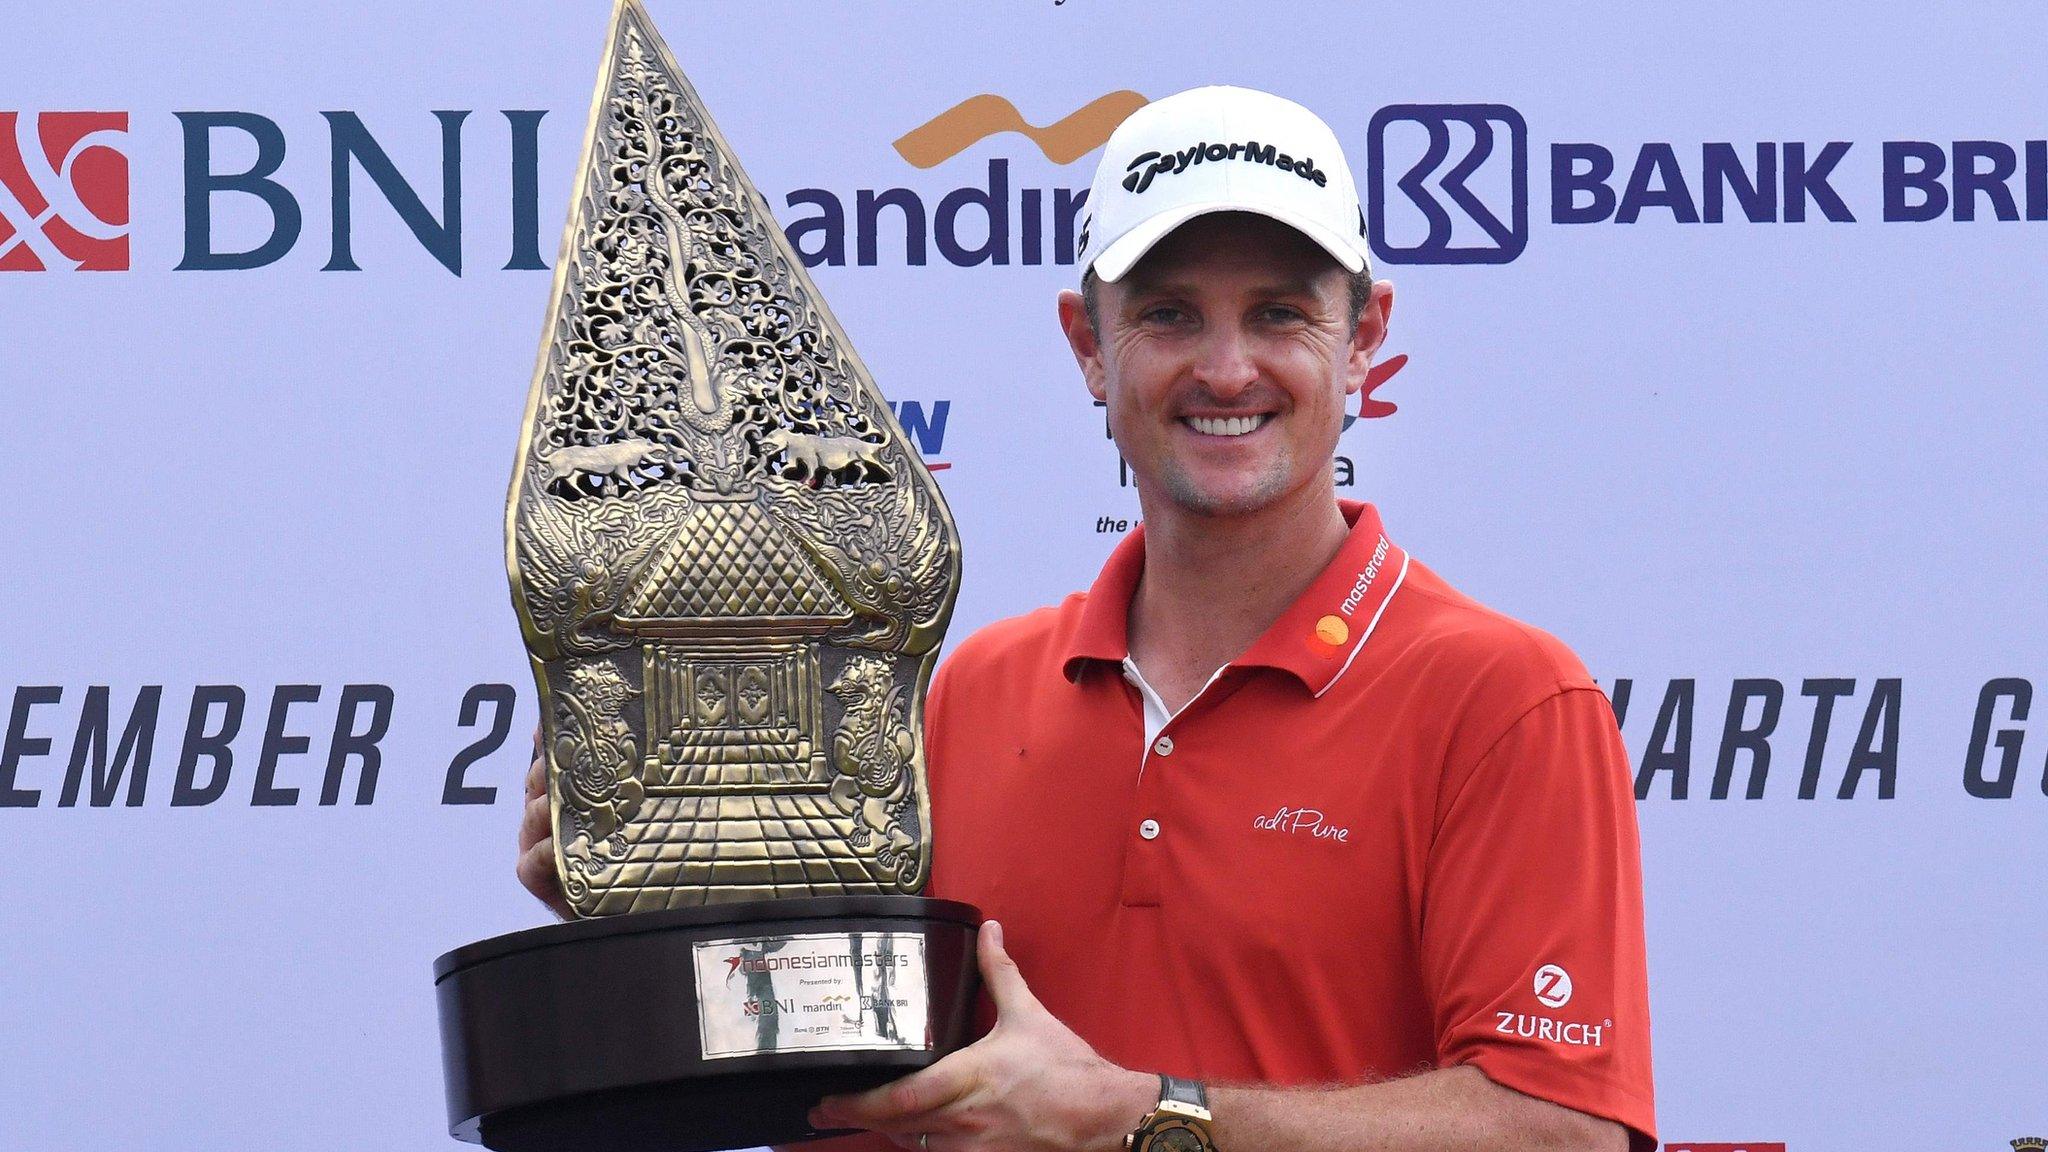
(732, 573)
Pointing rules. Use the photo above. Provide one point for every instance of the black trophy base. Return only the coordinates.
(586, 1035)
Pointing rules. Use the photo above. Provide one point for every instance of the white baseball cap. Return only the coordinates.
(1219, 149)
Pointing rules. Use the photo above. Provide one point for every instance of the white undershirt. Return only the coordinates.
(1156, 716)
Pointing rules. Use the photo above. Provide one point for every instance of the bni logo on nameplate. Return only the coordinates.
(820, 992)
(1447, 183)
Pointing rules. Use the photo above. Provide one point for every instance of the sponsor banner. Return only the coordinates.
(1715, 353)
(96, 746)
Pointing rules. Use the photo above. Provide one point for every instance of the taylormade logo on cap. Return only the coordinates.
(1219, 149)
(1152, 164)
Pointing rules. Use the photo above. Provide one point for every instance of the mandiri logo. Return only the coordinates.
(63, 191)
(978, 117)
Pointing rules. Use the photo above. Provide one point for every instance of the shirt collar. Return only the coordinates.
(1315, 640)
(1104, 631)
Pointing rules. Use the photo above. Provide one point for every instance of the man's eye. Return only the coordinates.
(1164, 315)
(1282, 313)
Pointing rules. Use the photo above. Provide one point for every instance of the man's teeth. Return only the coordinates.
(1226, 425)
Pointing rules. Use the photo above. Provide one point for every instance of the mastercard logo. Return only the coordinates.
(1329, 635)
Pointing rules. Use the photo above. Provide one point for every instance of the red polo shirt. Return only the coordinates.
(1398, 833)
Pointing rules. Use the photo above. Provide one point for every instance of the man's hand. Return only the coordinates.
(1030, 1085)
(536, 838)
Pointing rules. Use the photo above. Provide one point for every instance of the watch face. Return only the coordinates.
(1177, 1138)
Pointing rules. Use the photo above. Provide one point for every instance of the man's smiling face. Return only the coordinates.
(1224, 358)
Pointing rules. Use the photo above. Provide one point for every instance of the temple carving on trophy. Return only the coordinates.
(732, 571)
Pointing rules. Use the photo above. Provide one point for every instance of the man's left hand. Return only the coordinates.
(1030, 1085)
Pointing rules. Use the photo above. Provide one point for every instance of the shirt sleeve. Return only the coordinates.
(1532, 924)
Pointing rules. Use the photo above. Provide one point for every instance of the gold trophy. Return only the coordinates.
(733, 574)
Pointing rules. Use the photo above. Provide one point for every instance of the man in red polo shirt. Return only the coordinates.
(1271, 804)
(1296, 847)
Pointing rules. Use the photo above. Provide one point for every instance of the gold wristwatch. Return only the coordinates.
(1179, 1124)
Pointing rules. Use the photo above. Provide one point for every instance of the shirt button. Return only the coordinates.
(1149, 829)
(1163, 745)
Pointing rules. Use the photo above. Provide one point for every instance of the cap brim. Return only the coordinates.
(1129, 248)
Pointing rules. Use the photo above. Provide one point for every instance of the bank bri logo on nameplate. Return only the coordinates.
(63, 192)
(1460, 146)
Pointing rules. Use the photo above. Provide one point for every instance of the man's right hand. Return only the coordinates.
(537, 840)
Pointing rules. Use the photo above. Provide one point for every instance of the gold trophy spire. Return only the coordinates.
(731, 570)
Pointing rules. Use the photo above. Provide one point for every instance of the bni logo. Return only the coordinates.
(63, 191)
(1460, 188)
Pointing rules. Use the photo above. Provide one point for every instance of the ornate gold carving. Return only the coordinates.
(709, 475)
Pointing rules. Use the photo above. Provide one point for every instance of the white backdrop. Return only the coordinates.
(1752, 447)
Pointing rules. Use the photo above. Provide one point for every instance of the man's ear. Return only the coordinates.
(1081, 337)
(1368, 335)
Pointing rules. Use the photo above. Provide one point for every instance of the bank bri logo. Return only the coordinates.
(63, 191)
(1498, 150)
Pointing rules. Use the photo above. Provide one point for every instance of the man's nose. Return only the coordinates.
(1223, 361)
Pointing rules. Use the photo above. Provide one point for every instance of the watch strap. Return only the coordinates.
(1182, 1091)
(1180, 1121)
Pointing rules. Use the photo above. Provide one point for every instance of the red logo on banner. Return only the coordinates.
(1378, 374)
(63, 191)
